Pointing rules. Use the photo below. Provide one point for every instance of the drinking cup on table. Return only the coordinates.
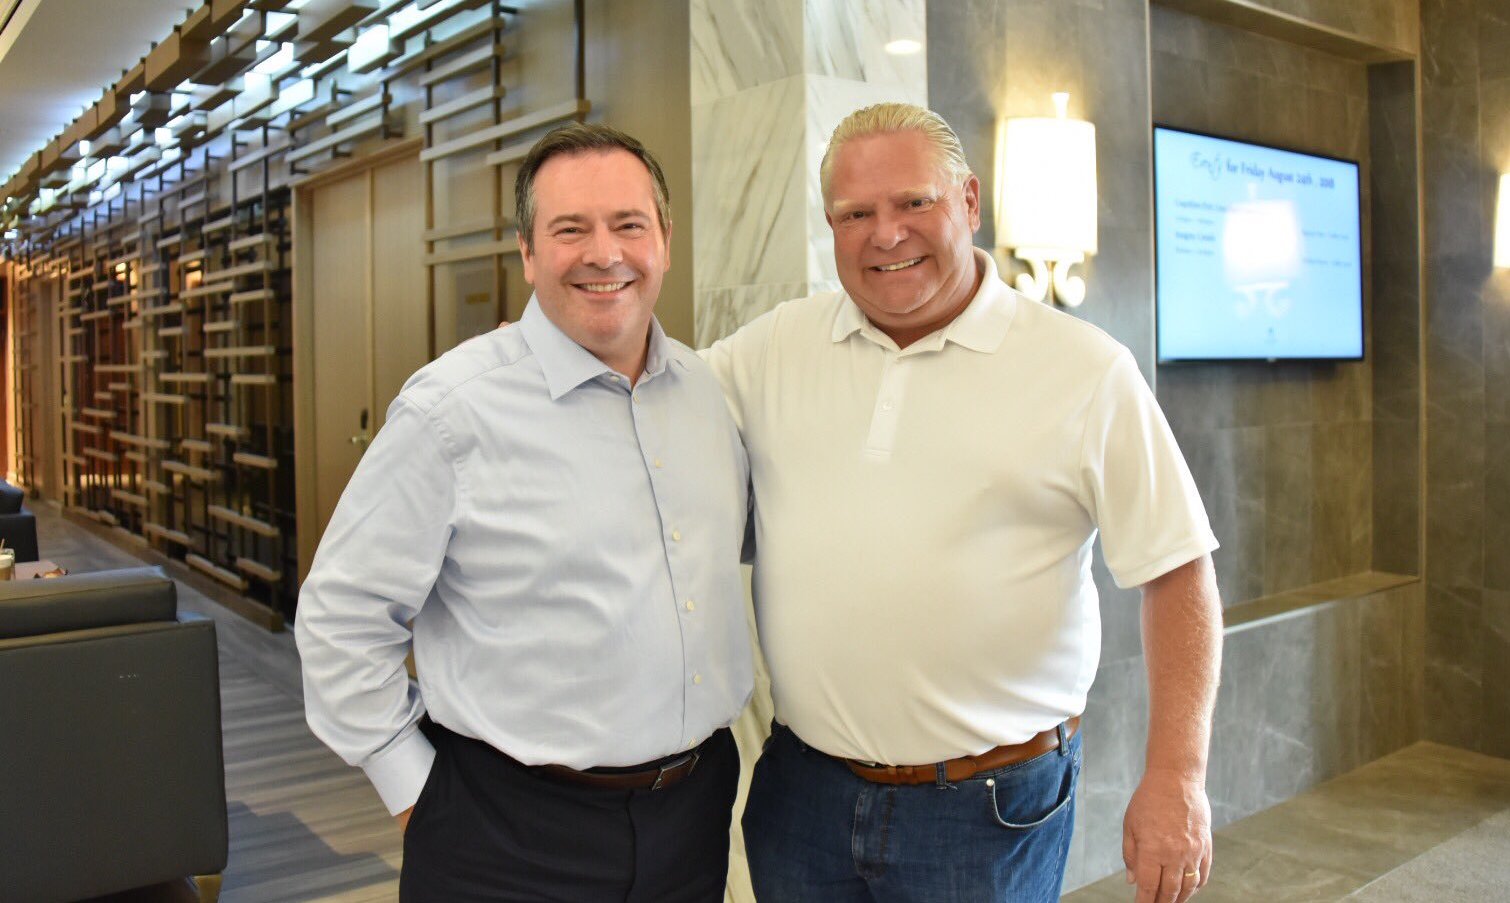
(7, 564)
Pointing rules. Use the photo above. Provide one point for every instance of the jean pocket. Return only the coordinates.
(1027, 798)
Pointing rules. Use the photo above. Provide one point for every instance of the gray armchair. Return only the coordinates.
(18, 527)
(111, 750)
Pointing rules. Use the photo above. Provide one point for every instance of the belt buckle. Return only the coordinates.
(660, 778)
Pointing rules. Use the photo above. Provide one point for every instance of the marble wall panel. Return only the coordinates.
(1495, 716)
(1288, 395)
(1454, 665)
(1467, 141)
(1396, 496)
(1496, 504)
(1228, 466)
(848, 41)
(1382, 700)
(739, 44)
(1449, 43)
(721, 311)
(1342, 501)
(1454, 345)
(1494, 41)
(1396, 389)
(1342, 393)
(1288, 505)
(1393, 23)
(1455, 526)
(752, 147)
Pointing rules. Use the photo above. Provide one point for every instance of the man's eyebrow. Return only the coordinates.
(565, 218)
(915, 191)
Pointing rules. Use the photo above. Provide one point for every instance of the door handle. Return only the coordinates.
(363, 437)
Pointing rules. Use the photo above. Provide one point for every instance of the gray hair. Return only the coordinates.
(890, 118)
(581, 138)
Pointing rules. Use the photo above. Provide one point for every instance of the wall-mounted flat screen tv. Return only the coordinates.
(1258, 252)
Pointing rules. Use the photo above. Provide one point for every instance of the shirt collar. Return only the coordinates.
(981, 326)
(567, 365)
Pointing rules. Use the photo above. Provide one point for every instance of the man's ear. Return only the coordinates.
(668, 248)
(972, 201)
(526, 257)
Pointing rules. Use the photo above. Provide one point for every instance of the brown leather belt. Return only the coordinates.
(965, 766)
(655, 777)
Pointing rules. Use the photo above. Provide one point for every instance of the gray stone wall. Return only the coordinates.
(1282, 452)
(1466, 128)
(1391, 23)
(1285, 455)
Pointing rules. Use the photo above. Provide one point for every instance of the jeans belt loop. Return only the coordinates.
(942, 779)
(1064, 740)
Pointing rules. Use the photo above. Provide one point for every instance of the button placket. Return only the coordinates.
(887, 410)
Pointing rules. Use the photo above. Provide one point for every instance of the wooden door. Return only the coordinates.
(366, 326)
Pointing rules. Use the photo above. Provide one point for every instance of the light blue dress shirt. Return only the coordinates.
(566, 548)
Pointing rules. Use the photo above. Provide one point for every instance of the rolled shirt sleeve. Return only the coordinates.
(376, 565)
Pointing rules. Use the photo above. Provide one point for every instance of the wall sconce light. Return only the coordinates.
(1502, 224)
(1046, 200)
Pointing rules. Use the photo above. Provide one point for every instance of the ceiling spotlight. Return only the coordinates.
(903, 47)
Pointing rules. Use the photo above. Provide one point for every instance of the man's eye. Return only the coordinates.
(854, 215)
(633, 227)
(919, 203)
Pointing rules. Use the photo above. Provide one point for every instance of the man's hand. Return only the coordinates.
(1166, 838)
(403, 820)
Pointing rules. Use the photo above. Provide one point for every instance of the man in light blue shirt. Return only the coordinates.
(557, 510)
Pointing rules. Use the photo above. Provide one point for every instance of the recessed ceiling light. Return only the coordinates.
(903, 46)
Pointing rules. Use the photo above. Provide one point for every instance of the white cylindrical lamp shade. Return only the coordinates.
(1502, 224)
(1046, 185)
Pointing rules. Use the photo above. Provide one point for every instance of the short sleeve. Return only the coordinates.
(737, 362)
(1136, 483)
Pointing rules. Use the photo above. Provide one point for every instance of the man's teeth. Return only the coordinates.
(889, 268)
(603, 286)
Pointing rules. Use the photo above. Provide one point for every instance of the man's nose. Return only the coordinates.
(888, 232)
(603, 250)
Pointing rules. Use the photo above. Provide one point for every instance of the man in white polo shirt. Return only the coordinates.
(933, 456)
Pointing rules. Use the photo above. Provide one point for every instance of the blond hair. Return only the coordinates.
(890, 118)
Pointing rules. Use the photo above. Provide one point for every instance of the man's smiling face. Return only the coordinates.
(902, 231)
(598, 253)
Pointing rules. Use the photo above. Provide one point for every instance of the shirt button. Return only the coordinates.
(657, 462)
(676, 536)
(636, 398)
(885, 405)
(691, 605)
(616, 378)
(697, 678)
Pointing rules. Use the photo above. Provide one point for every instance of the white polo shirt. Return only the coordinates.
(924, 517)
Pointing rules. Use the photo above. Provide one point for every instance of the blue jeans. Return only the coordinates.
(815, 831)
